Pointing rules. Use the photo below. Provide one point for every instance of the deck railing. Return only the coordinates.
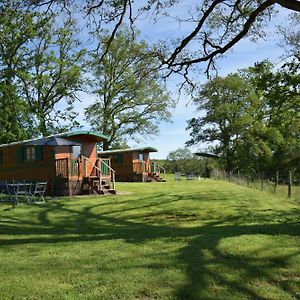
(74, 167)
(62, 167)
(107, 170)
(102, 169)
(66, 167)
(98, 174)
(156, 168)
(141, 167)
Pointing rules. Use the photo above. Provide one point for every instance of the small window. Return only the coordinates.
(29, 153)
(76, 151)
(141, 156)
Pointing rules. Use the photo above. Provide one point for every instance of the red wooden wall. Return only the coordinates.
(12, 168)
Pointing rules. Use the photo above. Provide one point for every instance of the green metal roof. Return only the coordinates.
(142, 149)
(64, 134)
(206, 154)
(85, 132)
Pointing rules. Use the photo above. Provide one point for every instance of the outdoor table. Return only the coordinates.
(15, 190)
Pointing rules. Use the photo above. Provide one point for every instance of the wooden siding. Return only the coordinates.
(12, 168)
(130, 165)
(122, 168)
(89, 151)
(136, 162)
(53, 164)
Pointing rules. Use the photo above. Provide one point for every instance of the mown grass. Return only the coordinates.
(176, 240)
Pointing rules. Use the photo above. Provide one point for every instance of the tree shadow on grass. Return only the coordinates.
(201, 258)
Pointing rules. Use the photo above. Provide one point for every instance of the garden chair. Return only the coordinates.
(3, 191)
(37, 195)
(189, 176)
(24, 189)
(177, 175)
(12, 190)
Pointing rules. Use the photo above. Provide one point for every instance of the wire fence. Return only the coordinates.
(283, 185)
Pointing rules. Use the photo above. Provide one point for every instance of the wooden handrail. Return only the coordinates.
(139, 167)
(112, 171)
(113, 178)
(94, 166)
(159, 168)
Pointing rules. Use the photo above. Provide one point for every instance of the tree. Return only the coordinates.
(39, 68)
(17, 28)
(131, 101)
(252, 117)
(226, 106)
(290, 37)
(51, 75)
(218, 25)
(279, 91)
(183, 160)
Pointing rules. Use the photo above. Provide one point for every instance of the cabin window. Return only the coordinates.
(29, 153)
(141, 156)
(118, 158)
(76, 151)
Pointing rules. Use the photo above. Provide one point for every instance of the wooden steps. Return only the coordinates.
(91, 185)
(154, 176)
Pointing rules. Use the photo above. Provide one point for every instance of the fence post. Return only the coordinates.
(276, 181)
(262, 180)
(290, 185)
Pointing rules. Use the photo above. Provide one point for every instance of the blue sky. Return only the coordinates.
(173, 135)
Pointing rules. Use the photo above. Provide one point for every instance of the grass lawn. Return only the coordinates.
(176, 240)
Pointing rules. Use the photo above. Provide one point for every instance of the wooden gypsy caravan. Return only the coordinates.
(134, 164)
(67, 161)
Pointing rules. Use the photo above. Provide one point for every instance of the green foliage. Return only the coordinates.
(279, 112)
(52, 75)
(131, 100)
(40, 67)
(252, 117)
(228, 105)
(184, 161)
(16, 30)
(202, 239)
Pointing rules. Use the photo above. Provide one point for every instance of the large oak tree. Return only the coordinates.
(131, 99)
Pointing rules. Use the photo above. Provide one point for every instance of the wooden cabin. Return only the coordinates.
(67, 161)
(134, 164)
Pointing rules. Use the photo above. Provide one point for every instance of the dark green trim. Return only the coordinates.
(20, 154)
(118, 158)
(38, 152)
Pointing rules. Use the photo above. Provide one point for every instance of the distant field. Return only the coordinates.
(177, 240)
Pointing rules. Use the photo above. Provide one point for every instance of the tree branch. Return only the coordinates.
(289, 4)
(229, 45)
(186, 40)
